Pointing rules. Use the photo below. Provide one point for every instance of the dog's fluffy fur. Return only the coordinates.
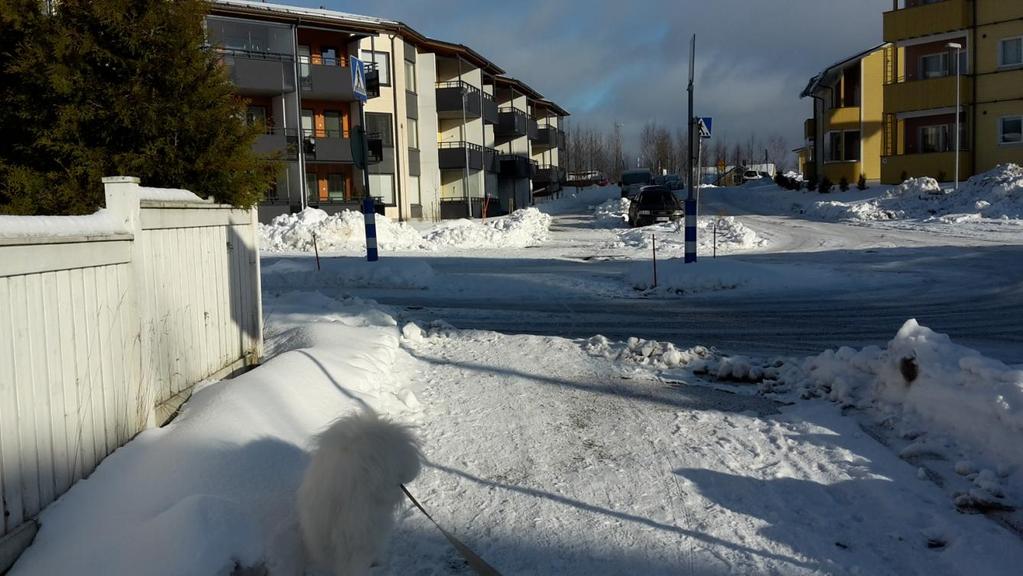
(350, 492)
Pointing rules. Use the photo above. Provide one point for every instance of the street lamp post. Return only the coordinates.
(958, 48)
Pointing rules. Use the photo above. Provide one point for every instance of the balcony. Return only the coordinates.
(515, 166)
(489, 109)
(844, 118)
(327, 146)
(546, 137)
(939, 165)
(548, 175)
(326, 82)
(275, 140)
(927, 19)
(511, 123)
(457, 100)
(460, 155)
(925, 94)
(259, 73)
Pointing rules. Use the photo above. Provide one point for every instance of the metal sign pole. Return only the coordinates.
(690, 204)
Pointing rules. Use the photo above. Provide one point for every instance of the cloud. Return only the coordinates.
(608, 60)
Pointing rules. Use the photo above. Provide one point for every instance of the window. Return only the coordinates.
(842, 146)
(934, 65)
(379, 124)
(382, 186)
(303, 62)
(307, 122)
(336, 187)
(383, 62)
(329, 56)
(312, 187)
(332, 124)
(410, 76)
(256, 116)
(934, 138)
(413, 133)
(1010, 52)
(1010, 130)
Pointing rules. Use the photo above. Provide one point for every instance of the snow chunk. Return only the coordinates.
(168, 195)
(521, 228)
(101, 223)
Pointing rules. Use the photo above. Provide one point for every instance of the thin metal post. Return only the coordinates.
(690, 203)
(958, 116)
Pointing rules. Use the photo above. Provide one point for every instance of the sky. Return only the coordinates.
(609, 61)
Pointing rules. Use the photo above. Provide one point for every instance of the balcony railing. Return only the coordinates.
(511, 123)
(259, 73)
(927, 19)
(515, 166)
(458, 99)
(327, 145)
(458, 155)
(489, 109)
(274, 140)
(925, 94)
(547, 136)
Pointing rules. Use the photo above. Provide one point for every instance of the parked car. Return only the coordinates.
(751, 175)
(633, 180)
(654, 204)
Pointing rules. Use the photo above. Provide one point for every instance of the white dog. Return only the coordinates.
(351, 490)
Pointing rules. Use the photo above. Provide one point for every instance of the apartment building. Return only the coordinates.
(920, 92)
(843, 139)
(438, 148)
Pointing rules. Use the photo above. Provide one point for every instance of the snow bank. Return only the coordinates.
(101, 223)
(301, 274)
(346, 232)
(613, 213)
(732, 236)
(946, 400)
(647, 353)
(996, 194)
(519, 229)
(215, 488)
(168, 195)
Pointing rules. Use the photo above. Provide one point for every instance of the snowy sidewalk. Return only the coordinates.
(546, 461)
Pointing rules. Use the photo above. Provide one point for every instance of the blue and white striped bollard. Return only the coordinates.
(690, 231)
(369, 215)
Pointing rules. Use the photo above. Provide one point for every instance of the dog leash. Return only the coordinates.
(475, 562)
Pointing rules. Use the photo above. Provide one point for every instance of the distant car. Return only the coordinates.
(751, 175)
(654, 204)
(633, 180)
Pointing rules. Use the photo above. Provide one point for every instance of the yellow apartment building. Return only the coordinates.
(929, 41)
(844, 137)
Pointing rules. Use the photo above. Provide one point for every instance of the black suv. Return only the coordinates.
(654, 204)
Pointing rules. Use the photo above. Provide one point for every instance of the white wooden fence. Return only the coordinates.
(104, 331)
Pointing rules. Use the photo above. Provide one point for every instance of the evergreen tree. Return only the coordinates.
(119, 87)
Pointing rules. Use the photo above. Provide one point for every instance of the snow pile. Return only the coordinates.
(613, 213)
(996, 194)
(945, 400)
(214, 490)
(168, 195)
(647, 353)
(101, 223)
(527, 227)
(344, 231)
(301, 273)
(732, 236)
(794, 176)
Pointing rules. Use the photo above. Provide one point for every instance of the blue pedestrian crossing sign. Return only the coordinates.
(358, 78)
(705, 126)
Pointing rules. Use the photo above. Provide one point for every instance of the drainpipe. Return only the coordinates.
(303, 194)
(462, 132)
(818, 137)
(394, 126)
(972, 45)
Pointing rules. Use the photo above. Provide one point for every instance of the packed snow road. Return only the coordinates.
(968, 286)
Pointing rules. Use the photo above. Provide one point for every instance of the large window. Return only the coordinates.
(332, 124)
(379, 124)
(1010, 52)
(843, 146)
(256, 37)
(329, 56)
(410, 76)
(312, 187)
(934, 65)
(413, 133)
(336, 187)
(935, 138)
(303, 62)
(256, 116)
(382, 186)
(1010, 130)
(307, 122)
(383, 62)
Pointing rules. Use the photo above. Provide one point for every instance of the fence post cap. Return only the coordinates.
(121, 180)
